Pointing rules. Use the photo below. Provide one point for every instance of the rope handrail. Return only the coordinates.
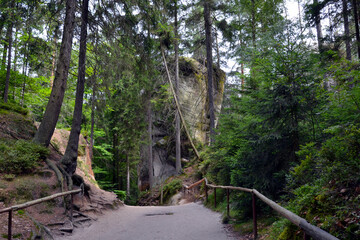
(309, 229)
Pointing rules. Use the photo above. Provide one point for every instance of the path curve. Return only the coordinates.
(190, 221)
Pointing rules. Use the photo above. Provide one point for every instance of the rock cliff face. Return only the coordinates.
(193, 98)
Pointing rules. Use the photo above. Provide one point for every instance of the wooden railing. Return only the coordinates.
(309, 230)
(37, 201)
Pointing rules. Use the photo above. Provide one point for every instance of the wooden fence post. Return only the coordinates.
(228, 202)
(254, 215)
(10, 225)
(214, 197)
(206, 192)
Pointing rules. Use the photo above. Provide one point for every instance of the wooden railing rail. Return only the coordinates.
(37, 201)
(309, 230)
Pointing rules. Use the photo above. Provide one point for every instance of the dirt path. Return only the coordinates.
(190, 221)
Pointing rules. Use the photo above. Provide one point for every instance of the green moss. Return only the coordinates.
(55, 143)
(81, 150)
(14, 108)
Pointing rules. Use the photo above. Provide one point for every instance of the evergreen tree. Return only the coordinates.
(47, 126)
(70, 157)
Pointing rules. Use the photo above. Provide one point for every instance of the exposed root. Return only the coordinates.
(41, 227)
(57, 172)
(68, 177)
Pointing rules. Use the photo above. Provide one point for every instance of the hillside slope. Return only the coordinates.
(25, 176)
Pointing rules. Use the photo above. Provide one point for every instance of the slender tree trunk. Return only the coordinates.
(8, 69)
(299, 13)
(25, 67)
(47, 126)
(209, 68)
(24, 83)
(16, 50)
(2, 24)
(70, 157)
(177, 117)
(356, 22)
(253, 24)
(150, 160)
(127, 176)
(6, 46)
(318, 26)
(54, 56)
(93, 117)
(346, 30)
(252, 82)
(116, 159)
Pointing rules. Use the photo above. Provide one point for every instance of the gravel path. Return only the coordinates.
(183, 222)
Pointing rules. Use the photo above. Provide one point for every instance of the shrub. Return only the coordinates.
(20, 156)
(172, 188)
(121, 194)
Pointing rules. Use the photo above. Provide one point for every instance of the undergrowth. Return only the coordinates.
(20, 156)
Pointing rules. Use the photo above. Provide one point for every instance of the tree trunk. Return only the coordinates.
(253, 24)
(52, 74)
(25, 67)
(127, 176)
(177, 117)
(51, 115)
(346, 30)
(209, 68)
(318, 26)
(116, 159)
(356, 22)
(8, 68)
(15, 51)
(150, 160)
(69, 159)
(6, 45)
(93, 116)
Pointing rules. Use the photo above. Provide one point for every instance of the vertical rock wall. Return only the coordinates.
(193, 98)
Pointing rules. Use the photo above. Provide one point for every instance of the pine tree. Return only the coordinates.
(70, 157)
(47, 126)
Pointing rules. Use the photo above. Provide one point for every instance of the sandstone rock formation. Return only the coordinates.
(193, 99)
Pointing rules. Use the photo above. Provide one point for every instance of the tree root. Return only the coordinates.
(41, 227)
(68, 177)
(57, 172)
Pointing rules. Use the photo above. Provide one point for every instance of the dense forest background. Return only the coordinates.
(289, 125)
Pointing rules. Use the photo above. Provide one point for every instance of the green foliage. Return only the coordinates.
(20, 156)
(323, 186)
(171, 188)
(263, 127)
(121, 194)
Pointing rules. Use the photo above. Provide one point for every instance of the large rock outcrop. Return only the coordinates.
(193, 98)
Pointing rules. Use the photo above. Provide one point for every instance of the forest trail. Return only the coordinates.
(189, 221)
